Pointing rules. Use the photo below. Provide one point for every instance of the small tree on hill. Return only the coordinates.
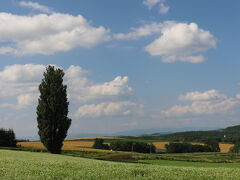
(52, 110)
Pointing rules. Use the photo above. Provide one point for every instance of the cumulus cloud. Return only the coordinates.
(47, 34)
(22, 73)
(36, 6)
(151, 3)
(205, 103)
(238, 96)
(25, 100)
(163, 9)
(203, 108)
(21, 82)
(144, 31)
(109, 109)
(202, 96)
(83, 89)
(116, 87)
(177, 41)
(180, 42)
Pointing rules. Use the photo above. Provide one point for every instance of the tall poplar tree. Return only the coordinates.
(52, 110)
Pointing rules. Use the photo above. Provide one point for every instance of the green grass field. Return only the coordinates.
(29, 165)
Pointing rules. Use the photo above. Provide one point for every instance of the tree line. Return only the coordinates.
(124, 145)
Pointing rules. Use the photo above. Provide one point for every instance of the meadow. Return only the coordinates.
(29, 165)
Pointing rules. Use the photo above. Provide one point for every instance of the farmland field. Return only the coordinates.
(67, 145)
(86, 144)
(28, 165)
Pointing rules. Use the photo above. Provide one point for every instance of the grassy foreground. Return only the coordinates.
(28, 165)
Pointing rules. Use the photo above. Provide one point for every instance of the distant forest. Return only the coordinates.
(227, 135)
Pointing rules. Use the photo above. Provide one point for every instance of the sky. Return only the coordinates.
(138, 64)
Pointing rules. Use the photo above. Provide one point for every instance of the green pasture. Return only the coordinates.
(29, 165)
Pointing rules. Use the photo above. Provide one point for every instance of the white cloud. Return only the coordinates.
(22, 73)
(180, 42)
(109, 109)
(116, 87)
(21, 82)
(163, 9)
(83, 89)
(238, 96)
(202, 96)
(47, 34)
(19, 94)
(146, 30)
(151, 3)
(177, 42)
(36, 6)
(25, 100)
(205, 103)
(203, 108)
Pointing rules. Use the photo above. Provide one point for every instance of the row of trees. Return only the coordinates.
(123, 145)
(190, 148)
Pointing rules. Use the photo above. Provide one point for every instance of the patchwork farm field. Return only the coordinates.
(86, 144)
(28, 165)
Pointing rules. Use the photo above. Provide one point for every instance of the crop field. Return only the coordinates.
(67, 145)
(224, 148)
(86, 144)
(28, 165)
(92, 138)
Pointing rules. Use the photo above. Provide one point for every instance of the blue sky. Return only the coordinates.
(139, 65)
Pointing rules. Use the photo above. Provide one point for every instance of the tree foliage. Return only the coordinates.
(235, 148)
(189, 148)
(99, 144)
(52, 110)
(7, 138)
(141, 147)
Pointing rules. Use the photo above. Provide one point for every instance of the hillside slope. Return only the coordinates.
(229, 134)
(27, 165)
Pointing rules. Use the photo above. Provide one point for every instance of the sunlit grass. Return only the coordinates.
(27, 165)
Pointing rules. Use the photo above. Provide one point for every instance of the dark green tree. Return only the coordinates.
(52, 110)
(7, 138)
(213, 145)
(99, 144)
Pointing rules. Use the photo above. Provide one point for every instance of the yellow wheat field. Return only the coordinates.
(160, 145)
(92, 138)
(224, 148)
(67, 145)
